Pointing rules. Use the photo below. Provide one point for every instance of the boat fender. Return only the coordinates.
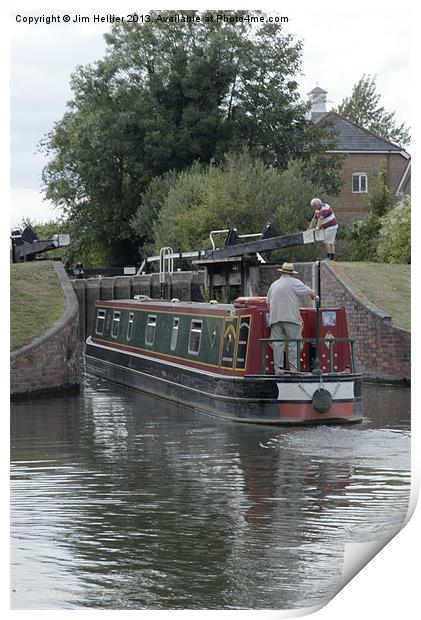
(322, 400)
(174, 300)
(213, 301)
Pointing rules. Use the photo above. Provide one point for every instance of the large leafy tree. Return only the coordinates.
(167, 94)
(363, 107)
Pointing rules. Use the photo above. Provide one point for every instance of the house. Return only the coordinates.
(365, 155)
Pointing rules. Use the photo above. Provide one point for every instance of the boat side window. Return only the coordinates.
(150, 329)
(174, 332)
(195, 337)
(100, 322)
(130, 326)
(242, 342)
(116, 324)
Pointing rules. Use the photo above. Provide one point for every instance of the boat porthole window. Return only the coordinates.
(174, 332)
(100, 322)
(116, 324)
(150, 330)
(130, 326)
(195, 337)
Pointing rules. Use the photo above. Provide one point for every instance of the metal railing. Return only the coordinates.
(330, 342)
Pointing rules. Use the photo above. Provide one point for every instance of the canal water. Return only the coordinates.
(122, 501)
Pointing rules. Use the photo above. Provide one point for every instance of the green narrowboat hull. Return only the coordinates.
(268, 399)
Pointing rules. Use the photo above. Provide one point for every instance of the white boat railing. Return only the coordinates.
(166, 263)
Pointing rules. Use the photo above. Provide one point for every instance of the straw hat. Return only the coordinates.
(288, 268)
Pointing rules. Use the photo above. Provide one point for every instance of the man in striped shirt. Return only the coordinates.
(325, 218)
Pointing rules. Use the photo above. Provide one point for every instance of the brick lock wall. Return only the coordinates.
(349, 206)
(51, 361)
(382, 350)
(53, 366)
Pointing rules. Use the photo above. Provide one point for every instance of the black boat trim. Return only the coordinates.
(210, 394)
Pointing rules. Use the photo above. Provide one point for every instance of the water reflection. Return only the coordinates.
(124, 501)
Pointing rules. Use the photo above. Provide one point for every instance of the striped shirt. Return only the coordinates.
(327, 215)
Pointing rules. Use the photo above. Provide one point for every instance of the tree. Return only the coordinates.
(394, 245)
(95, 174)
(379, 203)
(167, 94)
(363, 108)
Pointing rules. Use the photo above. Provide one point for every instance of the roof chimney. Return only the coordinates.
(317, 98)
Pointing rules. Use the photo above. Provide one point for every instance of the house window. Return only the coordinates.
(100, 322)
(130, 326)
(359, 183)
(116, 324)
(174, 332)
(150, 329)
(195, 337)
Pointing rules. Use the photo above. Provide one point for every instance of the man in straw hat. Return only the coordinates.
(284, 315)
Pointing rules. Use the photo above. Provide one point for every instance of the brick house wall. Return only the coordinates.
(349, 205)
(363, 152)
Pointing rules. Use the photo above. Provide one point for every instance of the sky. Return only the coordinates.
(339, 46)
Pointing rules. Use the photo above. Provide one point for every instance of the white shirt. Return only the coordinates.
(284, 300)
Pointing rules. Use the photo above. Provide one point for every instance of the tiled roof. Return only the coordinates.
(352, 137)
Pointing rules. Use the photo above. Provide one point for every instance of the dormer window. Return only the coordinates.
(359, 183)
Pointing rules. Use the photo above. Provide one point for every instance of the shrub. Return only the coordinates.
(394, 245)
(366, 237)
(242, 192)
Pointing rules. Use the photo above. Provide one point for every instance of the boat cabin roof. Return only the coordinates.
(140, 301)
(164, 303)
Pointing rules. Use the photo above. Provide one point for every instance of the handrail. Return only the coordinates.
(166, 263)
(328, 341)
(214, 232)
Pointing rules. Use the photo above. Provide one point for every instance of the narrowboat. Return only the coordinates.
(217, 359)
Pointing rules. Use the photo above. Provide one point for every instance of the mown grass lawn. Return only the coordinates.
(388, 286)
(36, 301)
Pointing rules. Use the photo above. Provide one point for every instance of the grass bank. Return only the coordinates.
(36, 301)
(387, 286)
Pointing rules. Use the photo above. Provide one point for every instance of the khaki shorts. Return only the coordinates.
(330, 234)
